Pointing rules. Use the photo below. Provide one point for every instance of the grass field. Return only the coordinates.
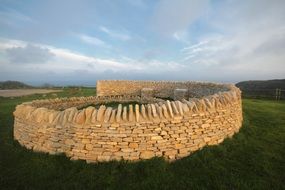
(253, 159)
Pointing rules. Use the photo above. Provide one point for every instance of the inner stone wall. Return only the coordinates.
(163, 89)
(171, 129)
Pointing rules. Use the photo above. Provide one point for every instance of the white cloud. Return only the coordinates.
(206, 49)
(249, 44)
(115, 34)
(181, 36)
(233, 40)
(252, 56)
(29, 54)
(67, 61)
(191, 47)
(92, 40)
(6, 44)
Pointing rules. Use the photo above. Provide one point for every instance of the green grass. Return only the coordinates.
(253, 159)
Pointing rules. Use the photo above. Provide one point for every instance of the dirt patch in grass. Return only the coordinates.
(25, 92)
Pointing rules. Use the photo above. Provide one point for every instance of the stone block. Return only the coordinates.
(104, 158)
(156, 138)
(127, 150)
(133, 145)
(147, 154)
(88, 146)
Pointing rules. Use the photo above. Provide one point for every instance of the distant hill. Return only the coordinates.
(261, 84)
(259, 88)
(13, 85)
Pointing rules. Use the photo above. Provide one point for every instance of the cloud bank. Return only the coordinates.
(80, 42)
(28, 54)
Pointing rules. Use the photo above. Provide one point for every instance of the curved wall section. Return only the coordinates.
(171, 129)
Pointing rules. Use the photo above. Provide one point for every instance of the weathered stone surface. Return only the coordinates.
(89, 146)
(153, 108)
(40, 114)
(137, 111)
(104, 158)
(147, 154)
(69, 142)
(156, 138)
(113, 116)
(58, 117)
(52, 116)
(131, 113)
(185, 108)
(100, 114)
(160, 112)
(80, 119)
(72, 113)
(125, 112)
(143, 111)
(163, 133)
(94, 116)
(133, 145)
(168, 104)
(107, 114)
(149, 110)
(119, 113)
(179, 107)
(165, 112)
(88, 113)
(174, 108)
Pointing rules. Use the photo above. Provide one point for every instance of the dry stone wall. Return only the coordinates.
(164, 89)
(171, 129)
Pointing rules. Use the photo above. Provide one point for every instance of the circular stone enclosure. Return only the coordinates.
(197, 115)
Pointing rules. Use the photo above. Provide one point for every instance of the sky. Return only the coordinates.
(76, 42)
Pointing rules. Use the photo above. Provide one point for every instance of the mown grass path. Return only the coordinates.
(253, 159)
